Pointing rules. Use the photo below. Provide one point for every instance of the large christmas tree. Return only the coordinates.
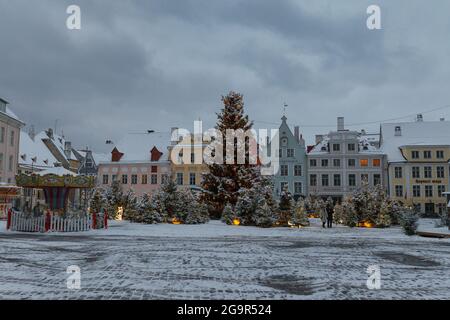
(224, 181)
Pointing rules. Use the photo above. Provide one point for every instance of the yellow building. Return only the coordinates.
(418, 163)
(186, 160)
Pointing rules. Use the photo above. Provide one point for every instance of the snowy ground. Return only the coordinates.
(215, 261)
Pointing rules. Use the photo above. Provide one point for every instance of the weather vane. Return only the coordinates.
(285, 105)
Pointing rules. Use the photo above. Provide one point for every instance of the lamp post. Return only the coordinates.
(33, 160)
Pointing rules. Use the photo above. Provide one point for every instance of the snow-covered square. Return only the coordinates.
(217, 261)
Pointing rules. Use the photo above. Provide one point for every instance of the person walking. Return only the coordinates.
(330, 217)
(323, 216)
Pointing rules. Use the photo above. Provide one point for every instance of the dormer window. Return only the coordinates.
(398, 131)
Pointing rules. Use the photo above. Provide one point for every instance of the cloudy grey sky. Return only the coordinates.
(154, 64)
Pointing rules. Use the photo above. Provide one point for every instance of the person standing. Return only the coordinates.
(323, 215)
(329, 217)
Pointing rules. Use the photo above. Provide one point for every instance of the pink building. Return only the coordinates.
(10, 126)
(139, 162)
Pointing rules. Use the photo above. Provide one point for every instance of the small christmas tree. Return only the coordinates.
(264, 216)
(409, 221)
(300, 216)
(228, 214)
(384, 216)
(285, 206)
(97, 202)
(114, 199)
(339, 213)
(350, 217)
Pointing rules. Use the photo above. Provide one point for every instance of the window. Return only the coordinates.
(417, 207)
(429, 208)
(336, 147)
(124, 179)
(284, 186)
(416, 191)
(376, 163)
(164, 178)
(297, 187)
(440, 172)
(134, 179)
(154, 169)
(352, 180)
(313, 163)
(376, 179)
(336, 163)
(11, 141)
(325, 181)
(429, 191)
(427, 172)
(441, 208)
(105, 179)
(10, 163)
(192, 179)
(180, 178)
(284, 141)
(351, 147)
(416, 172)
(398, 172)
(399, 191)
(154, 179)
(324, 162)
(337, 180)
(313, 180)
(415, 154)
(364, 177)
(284, 170)
(351, 162)
(427, 154)
(440, 154)
(2, 135)
(280, 153)
(364, 162)
(114, 177)
(192, 157)
(144, 179)
(290, 153)
(297, 170)
(441, 190)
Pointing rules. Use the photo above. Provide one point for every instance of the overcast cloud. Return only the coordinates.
(155, 64)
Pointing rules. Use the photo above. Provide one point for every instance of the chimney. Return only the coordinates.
(419, 117)
(398, 131)
(297, 133)
(340, 124)
(49, 133)
(319, 138)
(67, 149)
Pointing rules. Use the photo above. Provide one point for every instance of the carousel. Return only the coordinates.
(8, 193)
(58, 185)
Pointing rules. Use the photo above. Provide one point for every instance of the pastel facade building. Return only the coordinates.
(341, 160)
(418, 163)
(10, 126)
(292, 171)
(140, 162)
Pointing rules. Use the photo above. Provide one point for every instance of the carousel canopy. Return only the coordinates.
(55, 177)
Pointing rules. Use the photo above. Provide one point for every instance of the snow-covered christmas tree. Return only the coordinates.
(223, 182)
(300, 215)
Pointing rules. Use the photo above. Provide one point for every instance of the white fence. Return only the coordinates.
(18, 221)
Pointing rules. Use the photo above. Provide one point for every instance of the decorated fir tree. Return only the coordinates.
(114, 199)
(300, 215)
(286, 206)
(338, 213)
(98, 201)
(383, 219)
(228, 214)
(223, 182)
(349, 216)
(264, 216)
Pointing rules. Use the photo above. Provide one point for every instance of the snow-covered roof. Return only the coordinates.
(59, 142)
(59, 171)
(29, 149)
(137, 147)
(365, 146)
(98, 157)
(11, 114)
(420, 133)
